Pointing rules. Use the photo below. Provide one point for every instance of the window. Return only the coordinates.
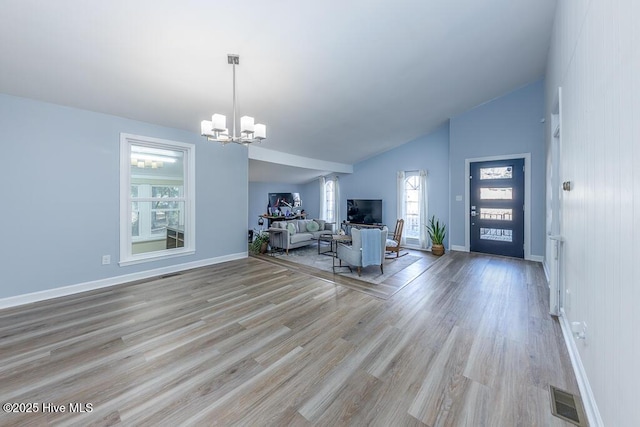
(412, 208)
(496, 234)
(330, 201)
(157, 199)
(490, 193)
(502, 172)
(496, 214)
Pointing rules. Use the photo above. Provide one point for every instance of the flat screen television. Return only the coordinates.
(276, 200)
(364, 211)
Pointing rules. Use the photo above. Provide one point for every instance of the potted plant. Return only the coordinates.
(260, 243)
(436, 234)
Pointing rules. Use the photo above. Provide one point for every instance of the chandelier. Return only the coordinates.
(216, 128)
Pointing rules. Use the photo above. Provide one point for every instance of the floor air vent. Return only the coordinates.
(165, 276)
(567, 406)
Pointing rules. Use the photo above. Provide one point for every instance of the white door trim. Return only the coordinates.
(527, 199)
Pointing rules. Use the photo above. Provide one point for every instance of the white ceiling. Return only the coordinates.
(333, 80)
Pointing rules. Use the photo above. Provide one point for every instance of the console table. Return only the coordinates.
(273, 218)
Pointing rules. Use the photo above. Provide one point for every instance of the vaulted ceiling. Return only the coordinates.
(333, 80)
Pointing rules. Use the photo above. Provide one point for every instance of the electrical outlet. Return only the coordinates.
(106, 259)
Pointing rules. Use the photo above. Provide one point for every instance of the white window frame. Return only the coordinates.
(188, 196)
(411, 241)
(330, 205)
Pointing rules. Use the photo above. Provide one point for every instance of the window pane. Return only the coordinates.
(171, 214)
(504, 172)
(496, 214)
(135, 220)
(165, 205)
(489, 193)
(134, 191)
(330, 202)
(496, 234)
(166, 191)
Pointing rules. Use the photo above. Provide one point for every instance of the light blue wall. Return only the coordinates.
(61, 195)
(507, 125)
(312, 196)
(375, 178)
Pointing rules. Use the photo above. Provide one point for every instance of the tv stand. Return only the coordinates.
(347, 226)
(360, 225)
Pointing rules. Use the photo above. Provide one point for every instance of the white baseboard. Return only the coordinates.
(459, 248)
(588, 399)
(536, 258)
(111, 281)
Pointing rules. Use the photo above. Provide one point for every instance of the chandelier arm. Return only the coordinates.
(234, 101)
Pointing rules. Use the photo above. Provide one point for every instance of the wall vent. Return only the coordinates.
(567, 406)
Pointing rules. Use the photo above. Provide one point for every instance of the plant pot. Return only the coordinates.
(263, 247)
(437, 250)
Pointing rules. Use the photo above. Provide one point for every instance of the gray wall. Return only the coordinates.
(507, 125)
(375, 178)
(61, 198)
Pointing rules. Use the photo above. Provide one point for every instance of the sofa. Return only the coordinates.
(296, 233)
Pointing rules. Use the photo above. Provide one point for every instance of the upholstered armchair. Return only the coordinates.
(365, 249)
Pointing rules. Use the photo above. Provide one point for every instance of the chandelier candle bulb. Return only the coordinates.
(260, 131)
(246, 124)
(219, 122)
(206, 128)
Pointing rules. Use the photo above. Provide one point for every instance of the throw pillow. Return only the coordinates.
(313, 226)
(292, 229)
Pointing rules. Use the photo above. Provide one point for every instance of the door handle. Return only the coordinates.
(556, 237)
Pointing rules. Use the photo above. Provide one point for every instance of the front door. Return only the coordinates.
(497, 207)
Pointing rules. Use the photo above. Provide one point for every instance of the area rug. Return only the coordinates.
(398, 272)
(308, 256)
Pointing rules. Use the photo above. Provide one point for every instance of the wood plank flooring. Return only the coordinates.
(384, 290)
(467, 343)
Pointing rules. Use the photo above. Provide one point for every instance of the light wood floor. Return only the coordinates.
(385, 290)
(469, 342)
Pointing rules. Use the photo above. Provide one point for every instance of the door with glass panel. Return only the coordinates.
(496, 200)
